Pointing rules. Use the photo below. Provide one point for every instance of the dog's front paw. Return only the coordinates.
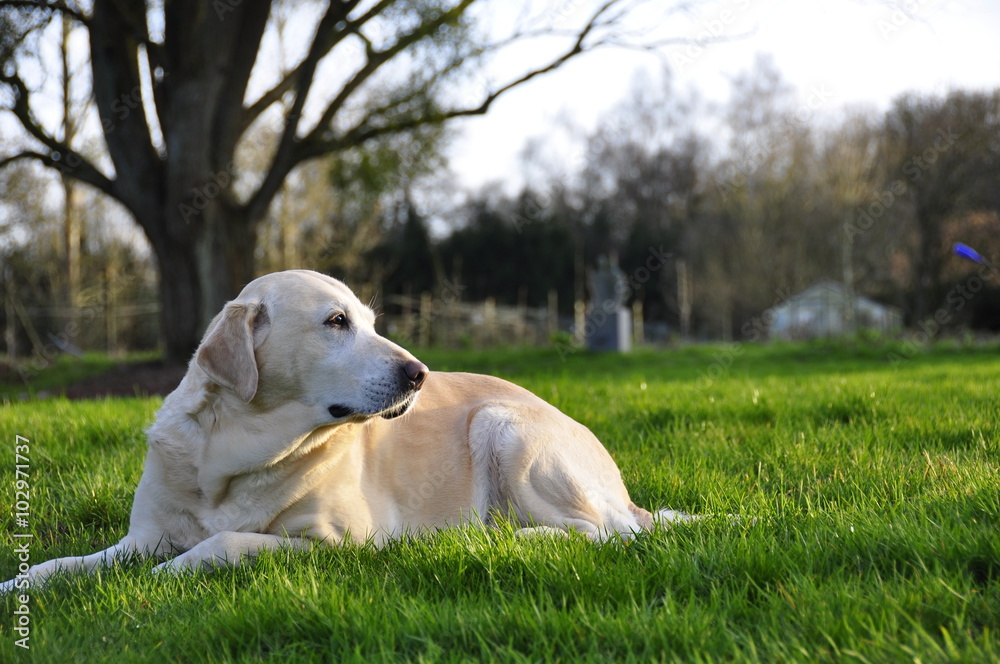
(185, 563)
(171, 569)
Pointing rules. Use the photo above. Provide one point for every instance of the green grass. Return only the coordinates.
(868, 494)
(46, 376)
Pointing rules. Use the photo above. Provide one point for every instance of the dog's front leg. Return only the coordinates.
(228, 549)
(36, 575)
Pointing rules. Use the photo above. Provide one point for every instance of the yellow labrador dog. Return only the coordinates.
(296, 422)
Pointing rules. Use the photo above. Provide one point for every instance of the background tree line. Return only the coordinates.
(749, 202)
(785, 197)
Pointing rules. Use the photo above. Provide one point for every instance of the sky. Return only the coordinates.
(836, 53)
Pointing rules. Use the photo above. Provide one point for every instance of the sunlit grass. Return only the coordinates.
(866, 526)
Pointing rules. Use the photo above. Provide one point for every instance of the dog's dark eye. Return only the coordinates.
(336, 320)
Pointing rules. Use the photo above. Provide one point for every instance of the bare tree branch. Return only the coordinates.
(284, 159)
(292, 78)
(314, 146)
(237, 57)
(70, 163)
(378, 58)
(415, 94)
(60, 155)
(54, 6)
(116, 70)
(272, 96)
(608, 15)
(133, 14)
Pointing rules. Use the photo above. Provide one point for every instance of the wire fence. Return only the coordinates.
(39, 334)
(422, 321)
(107, 322)
(34, 337)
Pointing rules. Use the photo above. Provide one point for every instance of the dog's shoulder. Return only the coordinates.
(179, 427)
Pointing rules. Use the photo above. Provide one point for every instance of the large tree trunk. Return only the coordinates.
(180, 302)
(225, 257)
(199, 272)
(181, 191)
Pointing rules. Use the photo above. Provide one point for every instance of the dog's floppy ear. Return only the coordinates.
(227, 352)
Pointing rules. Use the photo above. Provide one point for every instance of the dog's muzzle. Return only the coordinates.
(411, 377)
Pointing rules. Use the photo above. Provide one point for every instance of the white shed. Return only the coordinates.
(823, 310)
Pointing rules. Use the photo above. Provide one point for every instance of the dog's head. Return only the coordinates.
(301, 336)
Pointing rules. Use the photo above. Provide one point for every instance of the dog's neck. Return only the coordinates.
(187, 429)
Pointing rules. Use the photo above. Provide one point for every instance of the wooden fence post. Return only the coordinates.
(407, 308)
(490, 319)
(638, 324)
(111, 311)
(579, 322)
(684, 298)
(426, 311)
(10, 333)
(552, 320)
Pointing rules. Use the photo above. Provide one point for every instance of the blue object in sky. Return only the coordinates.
(966, 251)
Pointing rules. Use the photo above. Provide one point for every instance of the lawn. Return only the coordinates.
(864, 481)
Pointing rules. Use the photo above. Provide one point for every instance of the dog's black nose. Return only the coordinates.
(415, 372)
